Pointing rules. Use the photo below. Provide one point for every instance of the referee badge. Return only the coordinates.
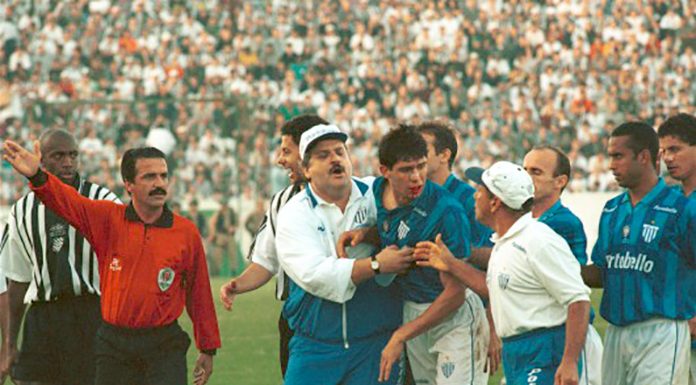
(165, 278)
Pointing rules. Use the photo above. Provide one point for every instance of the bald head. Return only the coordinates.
(59, 154)
(52, 137)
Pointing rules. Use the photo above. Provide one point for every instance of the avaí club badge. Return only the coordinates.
(165, 278)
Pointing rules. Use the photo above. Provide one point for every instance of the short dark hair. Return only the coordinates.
(681, 126)
(641, 136)
(562, 161)
(444, 138)
(403, 143)
(296, 126)
(51, 135)
(130, 158)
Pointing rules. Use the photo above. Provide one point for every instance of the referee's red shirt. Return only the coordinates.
(148, 272)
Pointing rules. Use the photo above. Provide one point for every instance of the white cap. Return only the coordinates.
(506, 180)
(320, 132)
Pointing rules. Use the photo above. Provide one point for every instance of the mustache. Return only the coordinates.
(158, 191)
(337, 168)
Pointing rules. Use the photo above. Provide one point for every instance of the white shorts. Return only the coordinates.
(453, 352)
(592, 358)
(653, 352)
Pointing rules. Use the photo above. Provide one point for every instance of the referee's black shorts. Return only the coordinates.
(152, 356)
(57, 342)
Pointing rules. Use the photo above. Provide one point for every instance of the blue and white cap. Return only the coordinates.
(320, 132)
(506, 180)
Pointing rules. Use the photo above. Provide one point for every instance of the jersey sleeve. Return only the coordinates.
(687, 230)
(89, 217)
(557, 269)
(15, 257)
(456, 232)
(264, 252)
(199, 300)
(306, 256)
(599, 250)
(573, 232)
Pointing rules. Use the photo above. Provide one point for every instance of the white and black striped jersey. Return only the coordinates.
(262, 250)
(43, 250)
(3, 241)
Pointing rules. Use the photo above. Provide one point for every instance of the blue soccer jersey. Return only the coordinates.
(567, 225)
(480, 233)
(434, 212)
(647, 257)
(692, 197)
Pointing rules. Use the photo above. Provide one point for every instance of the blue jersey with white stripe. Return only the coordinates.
(647, 255)
(480, 233)
(434, 212)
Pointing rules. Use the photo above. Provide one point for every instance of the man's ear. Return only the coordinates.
(445, 156)
(384, 170)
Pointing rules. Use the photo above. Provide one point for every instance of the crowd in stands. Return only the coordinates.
(210, 82)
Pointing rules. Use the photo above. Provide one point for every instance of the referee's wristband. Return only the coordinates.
(210, 352)
(39, 179)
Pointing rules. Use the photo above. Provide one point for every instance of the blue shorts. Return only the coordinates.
(315, 362)
(532, 358)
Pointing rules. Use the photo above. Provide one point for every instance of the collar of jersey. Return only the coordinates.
(358, 190)
(165, 220)
(551, 211)
(649, 197)
(450, 180)
(378, 188)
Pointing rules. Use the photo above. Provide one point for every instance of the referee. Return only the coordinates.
(53, 268)
(151, 265)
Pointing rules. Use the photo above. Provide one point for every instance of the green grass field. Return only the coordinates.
(250, 339)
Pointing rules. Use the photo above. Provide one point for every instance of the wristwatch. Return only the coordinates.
(374, 264)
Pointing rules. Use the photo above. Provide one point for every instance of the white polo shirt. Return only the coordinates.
(308, 229)
(532, 278)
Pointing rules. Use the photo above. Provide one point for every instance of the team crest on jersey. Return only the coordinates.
(447, 369)
(403, 230)
(115, 264)
(165, 278)
(503, 280)
(57, 234)
(649, 232)
(385, 226)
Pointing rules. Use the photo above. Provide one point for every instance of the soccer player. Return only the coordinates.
(52, 267)
(262, 253)
(539, 302)
(549, 168)
(443, 334)
(341, 317)
(644, 258)
(151, 265)
(678, 146)
(442, 151)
